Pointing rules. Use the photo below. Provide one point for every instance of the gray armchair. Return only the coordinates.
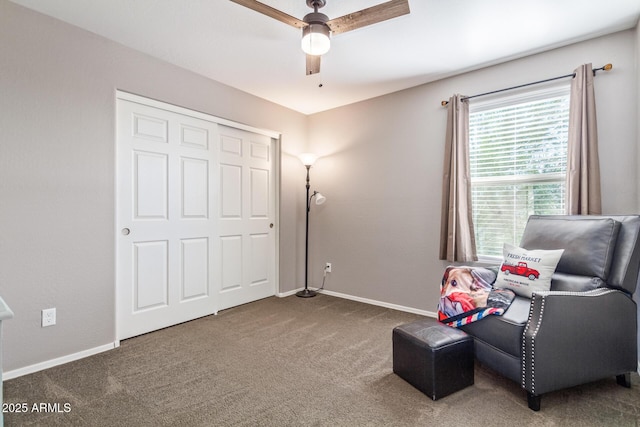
(585, 328)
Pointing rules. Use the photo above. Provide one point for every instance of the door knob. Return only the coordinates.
(125, 231)
(271, 225)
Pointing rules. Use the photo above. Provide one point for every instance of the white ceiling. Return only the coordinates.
(257, 54)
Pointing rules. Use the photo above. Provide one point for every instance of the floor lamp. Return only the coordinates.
(308, 159)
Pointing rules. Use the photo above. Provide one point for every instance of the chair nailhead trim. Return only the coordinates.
(543, 295)
(533, 346)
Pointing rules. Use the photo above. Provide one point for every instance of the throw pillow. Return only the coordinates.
(527, 271)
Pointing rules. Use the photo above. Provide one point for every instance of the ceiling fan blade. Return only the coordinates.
(368, 16)
(271, 12)
(313, 64)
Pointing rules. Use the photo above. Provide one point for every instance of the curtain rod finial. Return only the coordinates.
(606, 67)
(444, 103)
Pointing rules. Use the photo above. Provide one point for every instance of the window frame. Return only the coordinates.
(496, 101)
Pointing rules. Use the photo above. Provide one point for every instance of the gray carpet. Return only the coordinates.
(322, 361)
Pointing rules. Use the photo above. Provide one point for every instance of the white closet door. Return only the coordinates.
(166, 166)
(195, 215)
(246, 214)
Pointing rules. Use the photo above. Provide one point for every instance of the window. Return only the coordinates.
(518, 160)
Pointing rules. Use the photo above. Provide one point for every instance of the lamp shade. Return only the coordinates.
(320, 199)
(308, 159)
(315, 39)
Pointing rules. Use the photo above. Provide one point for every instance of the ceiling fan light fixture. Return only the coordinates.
(315, 39)
(317, 27)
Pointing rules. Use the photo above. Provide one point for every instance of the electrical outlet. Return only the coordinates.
(48, 317)
(327, 267)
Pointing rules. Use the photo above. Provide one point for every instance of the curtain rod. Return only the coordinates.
(603, 68)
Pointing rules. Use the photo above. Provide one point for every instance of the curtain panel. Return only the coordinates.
(457, 237)
(583, 165)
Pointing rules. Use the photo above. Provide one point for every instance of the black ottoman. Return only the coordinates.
(435, 359)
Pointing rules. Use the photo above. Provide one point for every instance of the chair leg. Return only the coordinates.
(533, 401)
(624, 380)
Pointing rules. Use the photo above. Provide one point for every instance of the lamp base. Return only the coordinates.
(306, 293)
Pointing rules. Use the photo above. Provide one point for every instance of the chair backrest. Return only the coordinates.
(600, 250)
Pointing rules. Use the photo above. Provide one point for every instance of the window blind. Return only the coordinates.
(518, 161)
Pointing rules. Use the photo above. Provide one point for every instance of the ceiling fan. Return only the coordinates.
(317, 27)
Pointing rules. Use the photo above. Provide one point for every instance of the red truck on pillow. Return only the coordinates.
(521, 270)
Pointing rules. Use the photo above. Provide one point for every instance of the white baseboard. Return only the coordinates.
(288, 293)
(55, 362)
(382, 304)
(92, 351)
(379, 303)
(368, 301)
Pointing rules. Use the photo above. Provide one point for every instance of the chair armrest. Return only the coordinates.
(576, 337)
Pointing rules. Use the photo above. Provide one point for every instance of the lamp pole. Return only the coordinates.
(306, 293)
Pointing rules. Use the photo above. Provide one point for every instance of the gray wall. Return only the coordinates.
(381, 172)
(57, 150)
(383, 165)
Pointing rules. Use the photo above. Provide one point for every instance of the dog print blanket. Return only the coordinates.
(466, 295)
